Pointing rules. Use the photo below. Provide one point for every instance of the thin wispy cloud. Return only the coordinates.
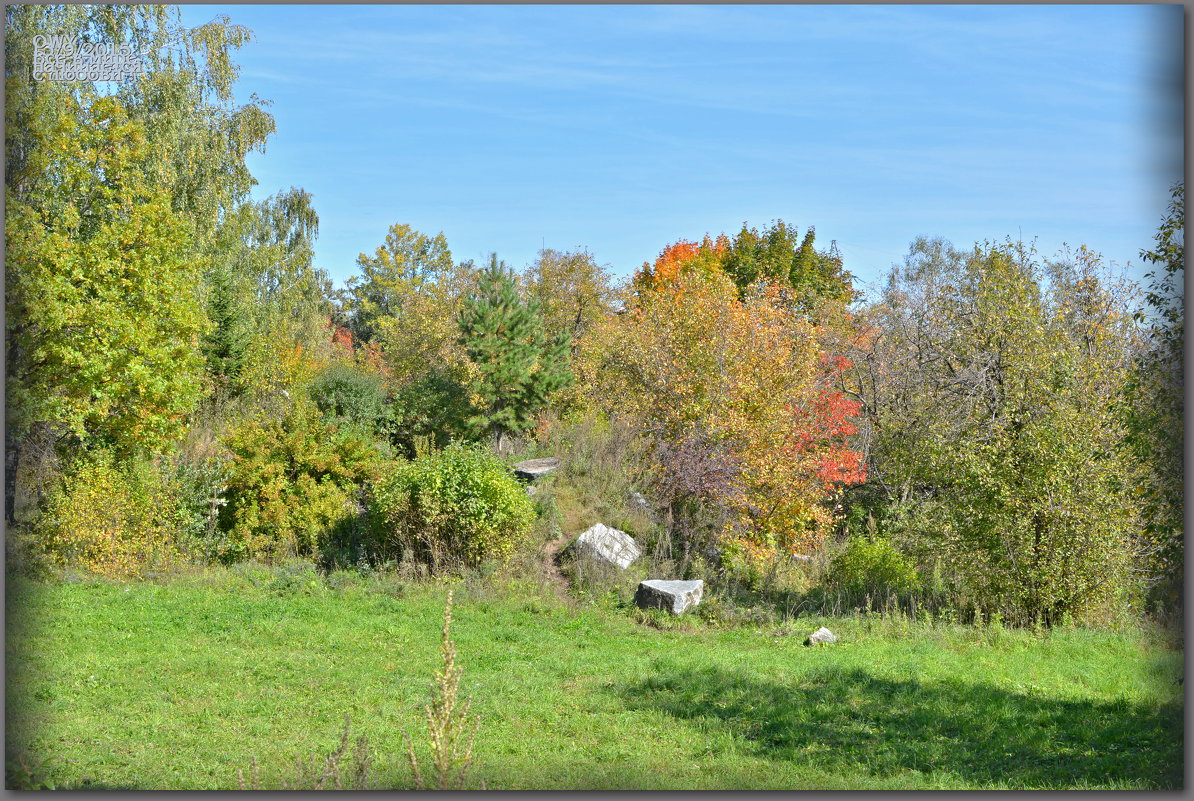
(623, 128)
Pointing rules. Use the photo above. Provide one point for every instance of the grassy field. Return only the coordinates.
(177, 685)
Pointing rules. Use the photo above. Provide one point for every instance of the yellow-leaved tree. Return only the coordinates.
(750, 440)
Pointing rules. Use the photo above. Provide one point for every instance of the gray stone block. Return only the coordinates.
(601, 543)
(674, 596)
(532, 469)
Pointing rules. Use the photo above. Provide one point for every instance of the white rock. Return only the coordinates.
(819, 636)
(674, 596)
(604, 544)
(640, 502)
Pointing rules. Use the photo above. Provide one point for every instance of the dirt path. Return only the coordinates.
(550, 570)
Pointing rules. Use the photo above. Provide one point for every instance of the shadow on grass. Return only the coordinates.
(850, 721)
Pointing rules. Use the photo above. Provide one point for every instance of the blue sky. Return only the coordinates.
(624, 128)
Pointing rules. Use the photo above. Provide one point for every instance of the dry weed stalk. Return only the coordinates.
(447, 722)
(255, 784)
(310, 774)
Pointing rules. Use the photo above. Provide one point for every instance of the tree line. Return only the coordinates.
(183, 384)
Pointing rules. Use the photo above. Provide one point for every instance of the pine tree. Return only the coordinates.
(228, 340)
(516, 366)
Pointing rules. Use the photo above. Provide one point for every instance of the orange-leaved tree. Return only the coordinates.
(681, 258)
(738, 399)
(813, 281)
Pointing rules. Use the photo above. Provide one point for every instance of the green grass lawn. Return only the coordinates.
(177, 685)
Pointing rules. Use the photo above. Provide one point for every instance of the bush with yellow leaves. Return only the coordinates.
(116, 520)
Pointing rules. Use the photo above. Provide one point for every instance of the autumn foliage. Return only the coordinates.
(183, 382)
(736, 391)
(679, 259)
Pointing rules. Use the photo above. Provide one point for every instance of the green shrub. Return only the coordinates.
(456, 507)
(872, 567)
(348, 395)
(292, 484)
(198, 487)
(1013, 471)
(434, 405)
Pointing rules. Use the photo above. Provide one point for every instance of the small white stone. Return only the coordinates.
(819, 636)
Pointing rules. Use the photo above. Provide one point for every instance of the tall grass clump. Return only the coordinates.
(602, 467)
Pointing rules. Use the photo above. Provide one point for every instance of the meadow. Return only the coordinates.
(178, 684)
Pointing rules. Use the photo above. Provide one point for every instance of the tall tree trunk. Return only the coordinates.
(499, 439)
